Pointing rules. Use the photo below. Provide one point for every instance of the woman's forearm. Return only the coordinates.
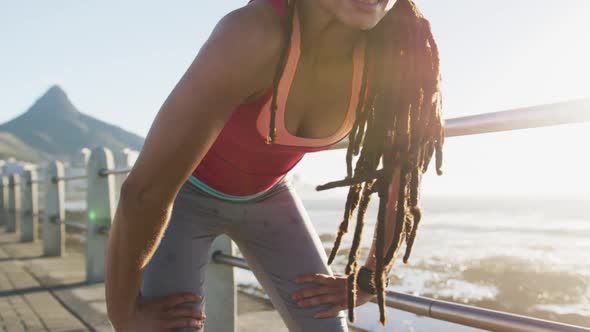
(135, 234)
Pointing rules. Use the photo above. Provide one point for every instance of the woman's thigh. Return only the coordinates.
(279, 243)
(179, 263)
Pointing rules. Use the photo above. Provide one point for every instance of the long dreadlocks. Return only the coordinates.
(398, 122)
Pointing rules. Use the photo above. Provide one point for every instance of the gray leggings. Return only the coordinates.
(273, 232)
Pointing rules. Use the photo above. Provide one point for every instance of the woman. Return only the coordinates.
(274, 81)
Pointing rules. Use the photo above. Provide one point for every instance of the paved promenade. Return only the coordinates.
(49, 294)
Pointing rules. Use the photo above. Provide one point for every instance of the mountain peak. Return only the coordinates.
(53, 127)
(55, 91)
(54, 100)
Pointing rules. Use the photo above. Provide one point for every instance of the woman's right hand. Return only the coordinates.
(166, 314)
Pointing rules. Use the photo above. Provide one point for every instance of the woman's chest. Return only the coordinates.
(318, 99)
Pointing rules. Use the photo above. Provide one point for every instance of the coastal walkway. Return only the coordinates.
(40, 293)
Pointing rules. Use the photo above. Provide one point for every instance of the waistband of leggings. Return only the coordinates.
(207, 190)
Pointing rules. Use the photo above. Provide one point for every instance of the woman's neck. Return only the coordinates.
(323, 37)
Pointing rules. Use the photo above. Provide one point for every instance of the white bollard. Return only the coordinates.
(30, 206)
(14, 204)
(54, 231)
(221, 297)
(3, 200)
(100, 199)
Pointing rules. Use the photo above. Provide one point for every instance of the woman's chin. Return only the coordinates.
(368, 6)
(364, 14)
(361, 23)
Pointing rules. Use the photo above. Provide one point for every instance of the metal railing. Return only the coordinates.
(101, 204)
(114, 171)
(76, 224)
(57, 179)
(576, 111)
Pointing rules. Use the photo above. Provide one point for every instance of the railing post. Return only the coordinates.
(54, 231)
(30, 206)
(14, 204)
(124, 159)
(221, 290)
(100, 199)
(3, 200)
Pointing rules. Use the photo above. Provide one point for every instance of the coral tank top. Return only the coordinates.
(240, 163)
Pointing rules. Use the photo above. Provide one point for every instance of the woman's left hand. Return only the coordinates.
(330, 289)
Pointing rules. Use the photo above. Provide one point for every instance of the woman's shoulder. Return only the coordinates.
(249, 40)
(256, 26)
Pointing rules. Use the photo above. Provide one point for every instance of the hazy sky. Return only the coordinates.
(118, 60)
